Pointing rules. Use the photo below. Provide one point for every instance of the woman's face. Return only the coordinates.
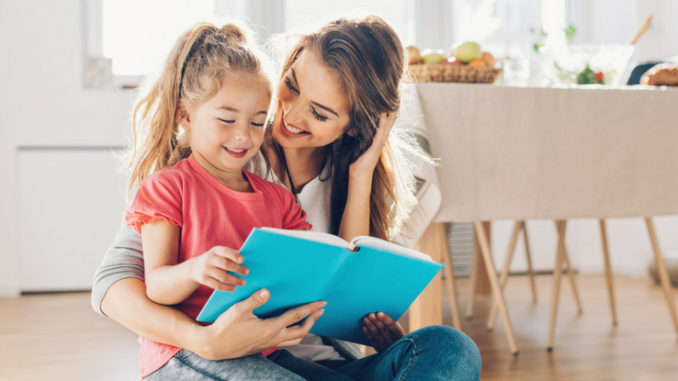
(312, 105)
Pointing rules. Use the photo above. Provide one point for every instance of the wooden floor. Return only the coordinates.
(59, 337)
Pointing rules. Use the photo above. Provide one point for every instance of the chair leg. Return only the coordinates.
(530, 270)
(573, 283)
(570, 277)
(503, 279)
(451, 289)
(472, 289)
(557, 274)
(494, 282)
(608, 271)
(663, 273)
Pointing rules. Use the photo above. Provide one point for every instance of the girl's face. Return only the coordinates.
(226, 131)
(313, 109)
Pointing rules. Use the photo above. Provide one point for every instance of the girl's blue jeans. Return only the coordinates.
(432, 353)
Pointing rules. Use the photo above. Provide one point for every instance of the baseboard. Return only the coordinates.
(9, 292)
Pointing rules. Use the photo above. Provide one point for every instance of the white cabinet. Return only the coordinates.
(71, 202)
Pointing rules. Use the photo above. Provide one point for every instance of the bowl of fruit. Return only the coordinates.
(468, 64)
(589, 64)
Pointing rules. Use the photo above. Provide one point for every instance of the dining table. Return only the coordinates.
(537, 153)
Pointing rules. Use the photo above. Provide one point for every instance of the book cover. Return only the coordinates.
(377, 276)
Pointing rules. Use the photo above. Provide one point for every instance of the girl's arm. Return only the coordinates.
(356, 219)
(170, 282)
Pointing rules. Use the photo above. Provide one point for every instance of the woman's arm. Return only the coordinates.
(356, 219)
(120, 293)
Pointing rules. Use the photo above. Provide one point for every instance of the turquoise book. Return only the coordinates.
(355, 278)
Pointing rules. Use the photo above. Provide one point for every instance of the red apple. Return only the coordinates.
(452, 61)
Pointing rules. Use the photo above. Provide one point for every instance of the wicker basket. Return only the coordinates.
(454, 73)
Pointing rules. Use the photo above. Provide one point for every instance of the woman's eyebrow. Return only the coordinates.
(294, 75)
(325, 108)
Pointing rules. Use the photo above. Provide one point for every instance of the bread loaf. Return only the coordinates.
(661, 75)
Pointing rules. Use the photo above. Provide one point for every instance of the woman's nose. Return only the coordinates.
(293, 114)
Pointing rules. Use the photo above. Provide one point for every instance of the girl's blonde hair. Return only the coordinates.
(369, 58)
(193, 73)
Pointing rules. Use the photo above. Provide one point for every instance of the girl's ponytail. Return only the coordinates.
(192, 74)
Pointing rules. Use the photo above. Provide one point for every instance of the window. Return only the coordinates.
(399, 13)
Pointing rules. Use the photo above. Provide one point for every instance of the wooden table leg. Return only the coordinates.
(427, 309)
(557, 275)
(503, 278)
(494, 283)
(608, 271)
(530, 270)
(663, 273)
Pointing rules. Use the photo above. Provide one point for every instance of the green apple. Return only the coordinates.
(468, 52)
(433, 58)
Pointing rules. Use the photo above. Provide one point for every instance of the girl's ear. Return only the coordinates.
(351, 132)
(182, 115)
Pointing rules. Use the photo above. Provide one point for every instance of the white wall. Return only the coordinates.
(42, 103)
(617, 21)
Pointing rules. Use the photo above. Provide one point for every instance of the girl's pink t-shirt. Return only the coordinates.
(209, 214)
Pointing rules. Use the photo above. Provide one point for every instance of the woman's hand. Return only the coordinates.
(211, 268)
(238, 332)
(381, 330)
(364, 166)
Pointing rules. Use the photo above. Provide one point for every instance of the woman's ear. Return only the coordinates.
(351, 132)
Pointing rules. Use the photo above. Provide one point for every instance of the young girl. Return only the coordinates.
(193, 214)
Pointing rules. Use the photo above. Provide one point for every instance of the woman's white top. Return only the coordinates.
(315, 201)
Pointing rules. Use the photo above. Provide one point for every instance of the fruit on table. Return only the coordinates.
(488, 59)
(468, 52)
(414, 54)
(476, 63)
(452, 61)
(433, 59)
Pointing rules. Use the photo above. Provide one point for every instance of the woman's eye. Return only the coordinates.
(319, 117)
(227, 121)
(289, 85)
(258, 124)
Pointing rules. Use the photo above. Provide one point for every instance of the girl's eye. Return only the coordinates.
(227, 121)
(289, 85)
(258, 124)
(318, 116)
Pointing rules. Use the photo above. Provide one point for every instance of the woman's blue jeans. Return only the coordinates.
(432, 353)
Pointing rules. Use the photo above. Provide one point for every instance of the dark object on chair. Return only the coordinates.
(641, 68)
(638, 72)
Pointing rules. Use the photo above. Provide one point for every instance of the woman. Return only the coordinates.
(330, 144)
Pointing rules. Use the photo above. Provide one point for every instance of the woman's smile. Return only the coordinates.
(290, 130)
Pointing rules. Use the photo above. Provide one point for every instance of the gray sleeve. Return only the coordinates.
(122, 260)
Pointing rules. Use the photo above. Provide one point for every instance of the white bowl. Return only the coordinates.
(566, 63)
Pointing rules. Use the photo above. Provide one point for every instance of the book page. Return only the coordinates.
(326, 238)
(380, 244)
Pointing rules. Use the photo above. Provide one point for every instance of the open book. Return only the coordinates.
(357, 278)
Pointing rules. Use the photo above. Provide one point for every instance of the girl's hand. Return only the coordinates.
(381, 330)
(364, 166)
(211, 268)
(238, 332)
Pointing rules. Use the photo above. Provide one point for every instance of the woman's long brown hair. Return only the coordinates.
(370, 60)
